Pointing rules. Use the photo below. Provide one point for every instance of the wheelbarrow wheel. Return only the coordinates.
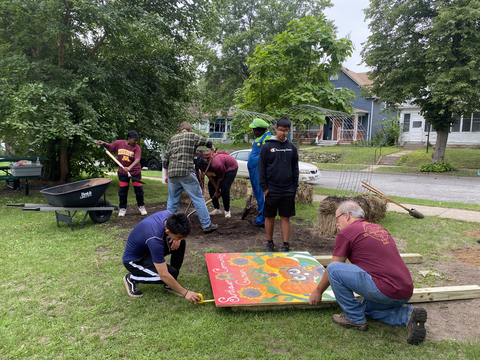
(100, 216)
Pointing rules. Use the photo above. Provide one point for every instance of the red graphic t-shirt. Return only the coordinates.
(127, 155)
(372, 248)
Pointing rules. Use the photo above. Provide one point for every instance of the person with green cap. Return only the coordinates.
(261, 133)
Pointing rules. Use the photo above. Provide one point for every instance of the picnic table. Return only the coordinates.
(14, 182)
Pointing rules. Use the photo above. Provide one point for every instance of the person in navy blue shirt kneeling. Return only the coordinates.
(155, 237)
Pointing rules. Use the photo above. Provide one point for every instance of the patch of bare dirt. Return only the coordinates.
(457, 319)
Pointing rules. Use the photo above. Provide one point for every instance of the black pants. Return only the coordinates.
(124, 182)
(225, 186)
(143, 270)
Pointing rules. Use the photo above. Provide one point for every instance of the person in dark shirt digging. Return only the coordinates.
(377, 273)
(155, 237)
(278, 177)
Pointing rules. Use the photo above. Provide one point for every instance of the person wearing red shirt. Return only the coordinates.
(377, 273)
(221, 173)
(129, 155)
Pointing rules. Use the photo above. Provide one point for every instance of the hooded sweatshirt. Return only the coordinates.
(278, 166)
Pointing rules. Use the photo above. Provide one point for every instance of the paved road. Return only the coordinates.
(430, 187)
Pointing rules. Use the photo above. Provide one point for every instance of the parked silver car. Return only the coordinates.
(308, 173)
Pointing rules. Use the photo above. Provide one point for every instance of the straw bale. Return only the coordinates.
(239, 188)
(304, 194)
(373, 206)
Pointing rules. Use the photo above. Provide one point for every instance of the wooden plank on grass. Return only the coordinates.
(445, 293)
(408, 258)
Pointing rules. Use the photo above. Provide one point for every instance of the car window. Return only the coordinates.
(243, 155)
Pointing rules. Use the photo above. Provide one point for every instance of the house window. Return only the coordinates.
(476, 122)
(217, 127)
(427, 127)
(334, 77)
(466, 124)
(456, 125)
(406, 122)
(416, 124)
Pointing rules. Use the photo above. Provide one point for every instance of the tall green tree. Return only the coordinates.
(295, 70)
(75, 71)
(428, 52)
(241, 26)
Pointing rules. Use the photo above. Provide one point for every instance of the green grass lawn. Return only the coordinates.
(63, 297)
(459, 158)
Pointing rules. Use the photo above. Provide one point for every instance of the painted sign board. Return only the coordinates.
(256, 279)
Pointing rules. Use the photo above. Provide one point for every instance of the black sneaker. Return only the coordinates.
(270, 247)
(285, 248)
(132, 287)
(254, 223)
(210, 229)
(416, 326)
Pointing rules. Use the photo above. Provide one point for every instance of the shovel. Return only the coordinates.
(412, 212)
(246, 211)
(119, 164)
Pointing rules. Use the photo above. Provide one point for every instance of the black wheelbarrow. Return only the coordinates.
(84, 195)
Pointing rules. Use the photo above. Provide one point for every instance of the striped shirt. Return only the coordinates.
(181, 148)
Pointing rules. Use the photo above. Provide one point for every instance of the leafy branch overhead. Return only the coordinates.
(295, 69)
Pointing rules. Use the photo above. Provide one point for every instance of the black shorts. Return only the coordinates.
(284, 203)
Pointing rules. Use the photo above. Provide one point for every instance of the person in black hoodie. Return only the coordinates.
(278, 178)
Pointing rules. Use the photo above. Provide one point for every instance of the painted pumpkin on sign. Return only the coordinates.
(279, 262)
(298, 287)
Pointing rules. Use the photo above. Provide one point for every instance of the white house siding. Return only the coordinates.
(454, 137)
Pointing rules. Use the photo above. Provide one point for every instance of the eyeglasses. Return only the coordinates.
(283, 131)
(336, 217)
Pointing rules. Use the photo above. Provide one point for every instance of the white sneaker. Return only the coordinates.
(228, 215)
(215, 212)
(142, 209)
(122, 212)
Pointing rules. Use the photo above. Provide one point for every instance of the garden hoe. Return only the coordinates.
(119, 164)
(412, 212)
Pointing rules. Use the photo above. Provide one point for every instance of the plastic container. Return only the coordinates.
(26, 170)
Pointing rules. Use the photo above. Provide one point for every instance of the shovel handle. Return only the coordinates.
(118, 162)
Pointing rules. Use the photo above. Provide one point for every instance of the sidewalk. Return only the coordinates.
(457, 214)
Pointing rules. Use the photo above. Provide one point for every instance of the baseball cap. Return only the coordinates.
(258, 123)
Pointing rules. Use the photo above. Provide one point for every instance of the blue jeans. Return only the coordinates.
(190, 184)
(348, 278)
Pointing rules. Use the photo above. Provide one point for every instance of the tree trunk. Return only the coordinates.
(440, 146)
(64, 163)
(298, 133)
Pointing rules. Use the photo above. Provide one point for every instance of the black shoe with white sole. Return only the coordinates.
(131, 286)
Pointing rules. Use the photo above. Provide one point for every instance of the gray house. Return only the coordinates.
(367, 110)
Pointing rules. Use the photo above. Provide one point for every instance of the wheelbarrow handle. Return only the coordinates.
(119, 163)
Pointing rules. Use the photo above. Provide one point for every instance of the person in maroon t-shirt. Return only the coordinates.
(129, 155)
(221, 173)
(377, 273)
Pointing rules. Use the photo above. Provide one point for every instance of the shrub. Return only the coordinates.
(436, 167)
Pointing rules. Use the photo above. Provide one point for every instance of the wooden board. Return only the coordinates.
(408, 258)
(264, 279)
(445, 293)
